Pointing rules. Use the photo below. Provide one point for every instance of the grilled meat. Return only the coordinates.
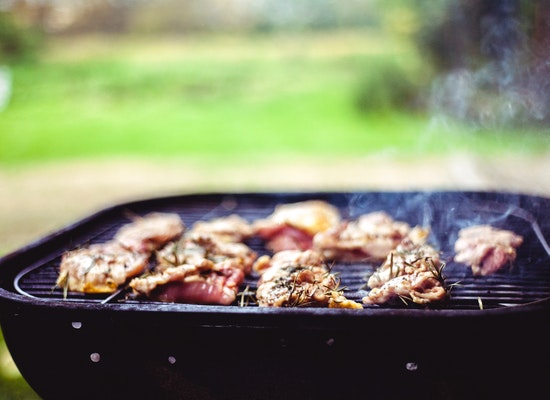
(370, 237)
(199, 268)
(486, 249)
(292, 226)
(420, 287)
(292, 278)
(232, 228)
(150, 232)
(203, 282)
(99, 268)
(411, 272)
(195, 246)
(103, 267)
(407, 258)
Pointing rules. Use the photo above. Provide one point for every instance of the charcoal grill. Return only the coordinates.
(490, 337)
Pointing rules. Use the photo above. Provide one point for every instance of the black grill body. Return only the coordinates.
(490, 337)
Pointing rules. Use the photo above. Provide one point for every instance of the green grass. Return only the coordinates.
(218, 99)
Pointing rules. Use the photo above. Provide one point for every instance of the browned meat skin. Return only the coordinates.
(370, 237)
(411, 272)
(292, 226)
(150, 232)
(486, 249)
(183, 251)
(193, 247)
(407, 258)
(99, 268)
(266, 266)
(420, 287)
(293, 278)
(204, 282)
(232, 228)
(102, 268)
(200, 268)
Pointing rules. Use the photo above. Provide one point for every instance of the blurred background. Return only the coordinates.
(106, 101)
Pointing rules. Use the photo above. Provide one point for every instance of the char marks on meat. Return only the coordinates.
(295, 278)
(292, 226)
(370, 237)
(411, 272)
(486, 249)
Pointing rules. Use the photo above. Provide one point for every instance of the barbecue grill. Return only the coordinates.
(489, 338)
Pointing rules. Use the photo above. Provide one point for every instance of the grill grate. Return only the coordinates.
(504, 289)
(527, 280)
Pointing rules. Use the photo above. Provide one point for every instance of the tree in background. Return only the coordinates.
(17, 42)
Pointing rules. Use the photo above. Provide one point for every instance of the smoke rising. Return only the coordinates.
(507, 83)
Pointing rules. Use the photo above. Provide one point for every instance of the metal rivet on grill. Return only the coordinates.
(95, 357)
(76, 325)
(411, 366)
(172, 360)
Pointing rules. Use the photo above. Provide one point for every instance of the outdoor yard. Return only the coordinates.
(99, 120)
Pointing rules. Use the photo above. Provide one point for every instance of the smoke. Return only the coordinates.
(507, 85)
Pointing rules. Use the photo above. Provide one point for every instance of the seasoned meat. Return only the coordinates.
(199, 268)
(284, 258)
(292, 226)
(370, 237)
(150, 232)
(203, 282)
(196, 246)
(99, 268)
(292, 278)
(179, 252)
(103, 267)
(232, 228)
(486, 249)
(411, 272)
(420, 287)
(407, 258)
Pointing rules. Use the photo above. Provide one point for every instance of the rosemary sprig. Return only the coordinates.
(246, 296)
(300, 296)
(64, 284)
(93, 262)
(439, 276)
(406, 299)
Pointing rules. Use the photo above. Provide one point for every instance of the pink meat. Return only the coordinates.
(216, 289)
(486, 249)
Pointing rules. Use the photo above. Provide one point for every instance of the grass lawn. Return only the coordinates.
(219, 97)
